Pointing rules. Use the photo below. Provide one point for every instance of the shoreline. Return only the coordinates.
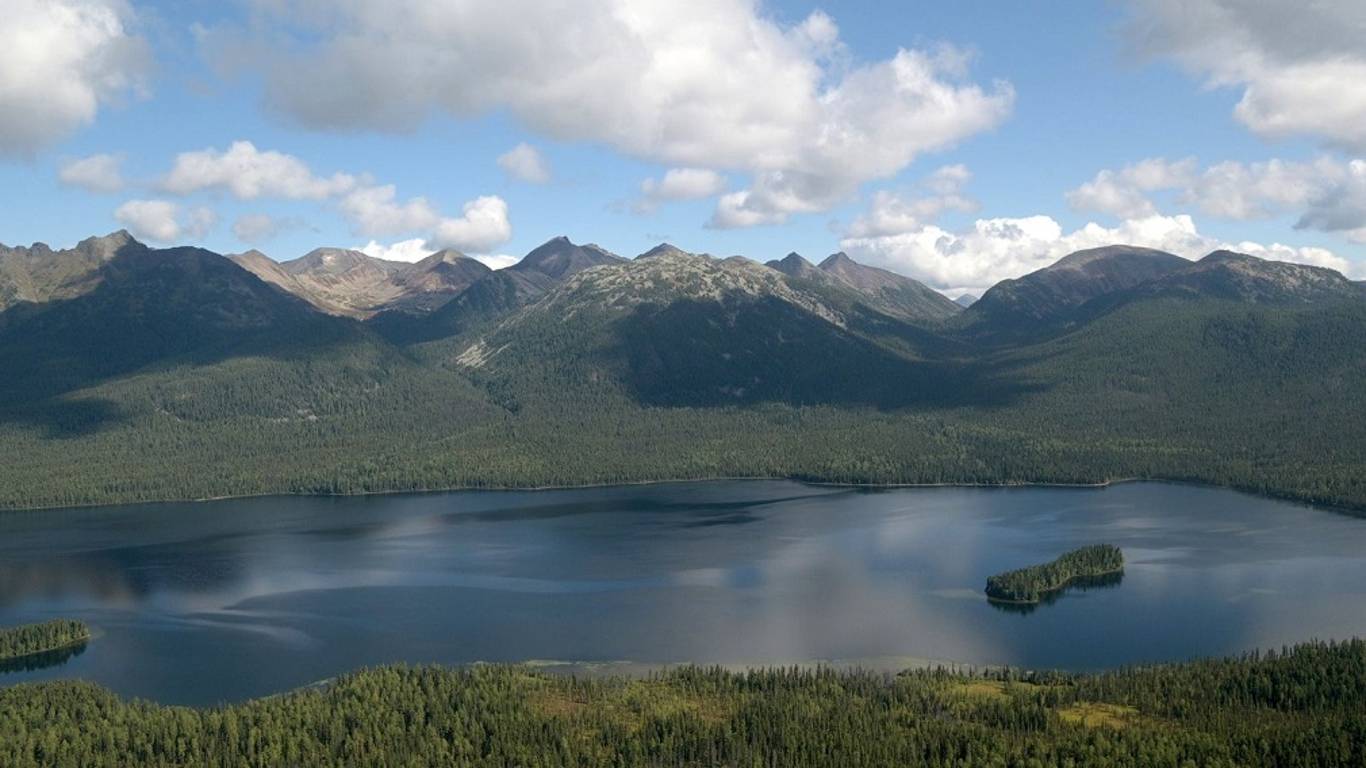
(589, 486)
(1350, 511)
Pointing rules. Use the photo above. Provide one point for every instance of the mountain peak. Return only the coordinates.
(106, 246)
(664, 249)
(445, 256)
(559, 258)
(1053, 293)
(837, 260)
(794, 265)
(887, 291)
(1110, 254)
(329, 261)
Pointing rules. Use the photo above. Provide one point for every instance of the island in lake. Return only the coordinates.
(30, 640)
(1037, 582)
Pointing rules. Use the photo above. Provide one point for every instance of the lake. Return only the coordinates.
(199, 603)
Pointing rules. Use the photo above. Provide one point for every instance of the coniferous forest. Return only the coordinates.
(1032, 583)
(32, 639)
(1301, 706)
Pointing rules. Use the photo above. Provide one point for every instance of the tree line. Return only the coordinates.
(1300, 706)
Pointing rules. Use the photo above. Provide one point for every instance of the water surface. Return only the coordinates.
(221, 601)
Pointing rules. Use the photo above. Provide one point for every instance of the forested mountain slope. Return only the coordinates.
(177, 374)
(1047, 298)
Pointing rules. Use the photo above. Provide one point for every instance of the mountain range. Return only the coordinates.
(340, 372)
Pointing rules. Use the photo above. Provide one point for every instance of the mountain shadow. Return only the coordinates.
(148, 308)
(699, 353)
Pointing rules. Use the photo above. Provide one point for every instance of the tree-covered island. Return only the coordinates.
(33, 639)
(1032, 584)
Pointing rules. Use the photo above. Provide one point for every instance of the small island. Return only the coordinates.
(1035, 583)
(36, 639)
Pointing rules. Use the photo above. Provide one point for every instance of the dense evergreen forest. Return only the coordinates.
(33, 639)
(1299, 707)
(1242, 408)
(1030, 584)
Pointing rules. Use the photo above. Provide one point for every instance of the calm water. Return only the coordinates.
(200, 603)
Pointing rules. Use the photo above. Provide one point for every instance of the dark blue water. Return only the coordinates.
(200, 603)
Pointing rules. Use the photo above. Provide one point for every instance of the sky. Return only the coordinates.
(958, 143)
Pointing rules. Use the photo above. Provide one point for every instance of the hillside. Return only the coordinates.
(35, 274)
(879, 290)
(146, 306)
(496, 294)
(1228, 370)
(350, 283)
(1047, 298)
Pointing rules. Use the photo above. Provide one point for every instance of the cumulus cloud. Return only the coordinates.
(257, 228)
(409, 251)
(96, 173)
(1124, 193)
(679, 184)
(995, 249)
(1302, 71)
(418, 249)
(891, 213)
(247, 173)
(1325, 194)
(713, 84)
(373, 210)
(376, 210)
(525, 163)
(164, 221)
(482, 226)
(63, 59)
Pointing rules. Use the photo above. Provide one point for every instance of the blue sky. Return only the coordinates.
(1025, 103)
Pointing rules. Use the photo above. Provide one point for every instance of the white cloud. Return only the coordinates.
(164, 221)
(678, 184)
(712, 84)
(1124, 193)
(256, 228)
(1325, 194)
(736, 210)
(1302, 70)
(248, 173)
(482, 227)
(96, 173)
(375, 210)
(890, 213)
(62, 60)
(525, 163)
(418, 249)
(684, 184)
(409, 251)
(995, 249)
(497, 260)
